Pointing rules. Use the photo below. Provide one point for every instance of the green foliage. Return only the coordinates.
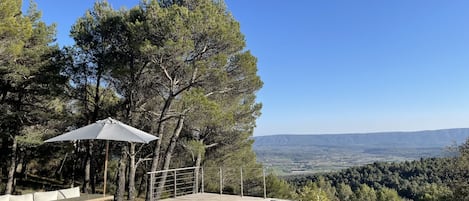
(197, 55)
(425, 179)
(365, 193)
(434, 192)
(278, 188)
(311, 192)
(327, 188)
(201, 105)
(31, 83)
(459, 173)
(195, 147)
(387, 194)
(33, 135)
(15, 29)
(91, 60)
(407, 178)
(150, 66)
(344, 192)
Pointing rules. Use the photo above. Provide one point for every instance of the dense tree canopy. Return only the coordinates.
(30, 83)
(426, 179)
(177, 69)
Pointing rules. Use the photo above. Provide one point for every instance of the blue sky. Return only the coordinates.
(340, 66)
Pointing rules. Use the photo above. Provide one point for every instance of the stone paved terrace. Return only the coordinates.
(218, 197)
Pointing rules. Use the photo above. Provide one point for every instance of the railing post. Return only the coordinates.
(152, 184)
(175, 184)
(196, 172)
(265, 190)
(241, 169)
(221, 181)
(203, 184)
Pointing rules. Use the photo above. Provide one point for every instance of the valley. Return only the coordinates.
(301, 154)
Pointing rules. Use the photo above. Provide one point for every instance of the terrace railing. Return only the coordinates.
(234, 181)
(173, 182)
(191, 180)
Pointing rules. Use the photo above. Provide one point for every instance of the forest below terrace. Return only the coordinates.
(176, 69)
(431, 179)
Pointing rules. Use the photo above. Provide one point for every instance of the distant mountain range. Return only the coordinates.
(418, 139)
(298, 154)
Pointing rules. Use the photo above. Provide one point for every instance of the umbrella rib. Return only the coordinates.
(100, 131)
(126, 128)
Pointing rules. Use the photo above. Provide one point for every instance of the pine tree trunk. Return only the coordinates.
(12, 167)
(142, 186)
(24, 168)
(169, 154)
(4, 156)
(94, 118)
(159, 133)
(156, 153)
(120, 191)
(74, 165)
(87, 178)
(132, 171)
(93, 177)
(198, 161)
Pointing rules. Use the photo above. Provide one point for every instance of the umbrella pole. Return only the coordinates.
(105, 167)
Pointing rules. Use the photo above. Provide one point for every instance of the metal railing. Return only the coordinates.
(191, 180)
(235, 181)
(173, 183)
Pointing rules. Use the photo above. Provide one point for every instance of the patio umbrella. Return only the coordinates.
(106, 129)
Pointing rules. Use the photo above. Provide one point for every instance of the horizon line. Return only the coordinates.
(363, 133)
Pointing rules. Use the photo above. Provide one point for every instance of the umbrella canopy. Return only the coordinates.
(106, 129)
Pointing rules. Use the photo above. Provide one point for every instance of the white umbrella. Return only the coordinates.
(106, 129)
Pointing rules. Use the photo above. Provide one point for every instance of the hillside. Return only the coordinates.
(418, 139)
(292, 154)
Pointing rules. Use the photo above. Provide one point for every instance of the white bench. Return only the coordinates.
(44, 196)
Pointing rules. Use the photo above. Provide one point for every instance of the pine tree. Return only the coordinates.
(344, 192)
(29, 82)
(15, 29)
(181, 72)
(387, 194)
(89, 72)
(311, 192)
(365, 193)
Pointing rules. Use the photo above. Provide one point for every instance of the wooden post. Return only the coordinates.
(105, 168)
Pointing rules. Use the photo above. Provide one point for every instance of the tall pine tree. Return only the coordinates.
(29, 78)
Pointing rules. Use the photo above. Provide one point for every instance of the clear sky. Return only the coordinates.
(341, 66)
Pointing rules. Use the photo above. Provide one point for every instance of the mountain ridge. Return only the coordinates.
(416, 139)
